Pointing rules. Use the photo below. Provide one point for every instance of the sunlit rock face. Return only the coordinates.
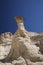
(6, 37)
(22, 44)
(5, 44)
(22, 48)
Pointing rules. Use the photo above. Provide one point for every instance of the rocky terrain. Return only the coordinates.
(5, 44)
(19, 61)
(22, 47)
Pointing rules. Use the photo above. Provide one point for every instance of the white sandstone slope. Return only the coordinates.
(22, 45)
(5, 44)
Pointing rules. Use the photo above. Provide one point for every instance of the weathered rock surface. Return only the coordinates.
(21, 61)
(6, 37)
(5, 44)
(25, 47)
(21, 40)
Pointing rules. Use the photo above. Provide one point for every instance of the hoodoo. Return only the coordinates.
(22, 45)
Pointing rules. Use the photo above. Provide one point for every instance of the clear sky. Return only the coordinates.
(31, 10)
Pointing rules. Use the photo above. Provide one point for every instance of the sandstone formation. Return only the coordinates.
(6, 37)
(21, 40)
(5, 44)
(25, 46)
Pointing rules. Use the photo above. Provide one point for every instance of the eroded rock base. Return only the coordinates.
(21, 61)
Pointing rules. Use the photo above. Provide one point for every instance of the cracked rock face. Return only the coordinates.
(6, 37)
(5, 44)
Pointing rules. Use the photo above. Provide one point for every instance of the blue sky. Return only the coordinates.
(31, 10)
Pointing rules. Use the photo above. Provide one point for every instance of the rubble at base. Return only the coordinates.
(21, 61)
